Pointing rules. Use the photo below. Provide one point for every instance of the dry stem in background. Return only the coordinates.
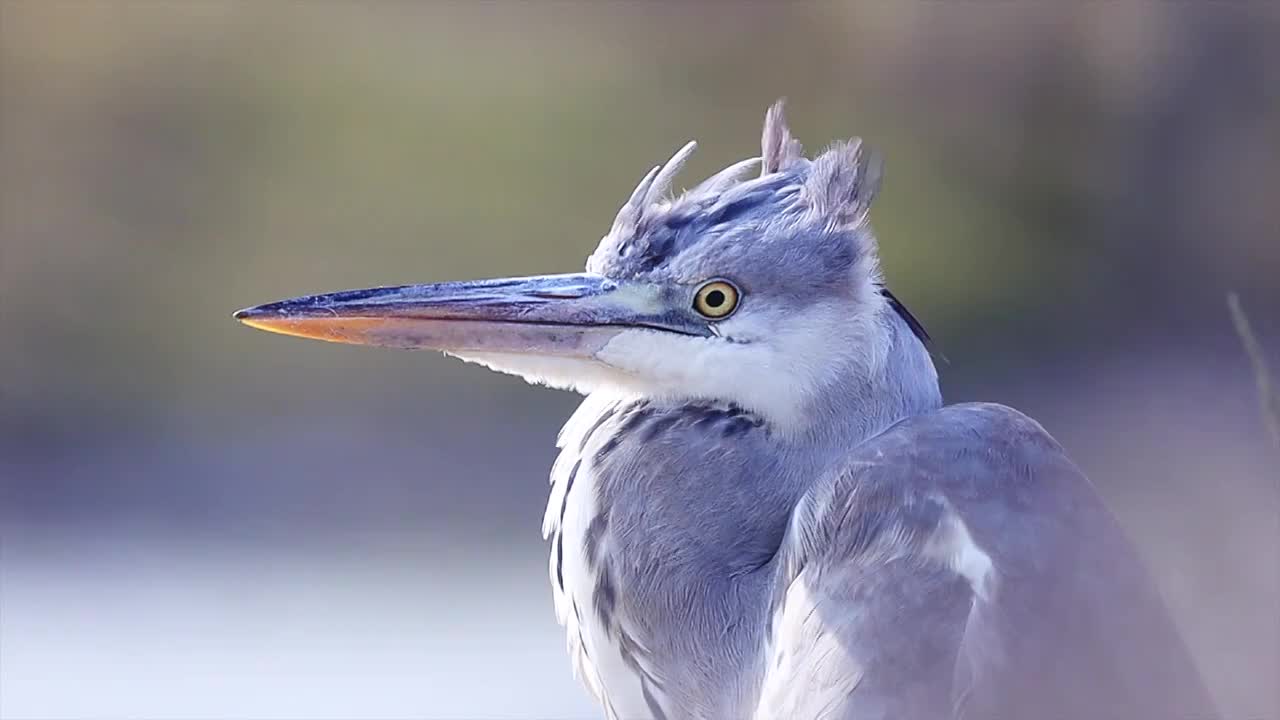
(1267, 392)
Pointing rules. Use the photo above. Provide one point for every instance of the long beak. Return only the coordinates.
(570, 315)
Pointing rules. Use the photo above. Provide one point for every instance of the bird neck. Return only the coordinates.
(873, 390)
(666, 518)
(667, 541)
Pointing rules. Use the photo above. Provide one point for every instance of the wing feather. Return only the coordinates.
(960, 566)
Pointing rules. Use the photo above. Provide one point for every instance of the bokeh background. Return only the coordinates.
(201, 521)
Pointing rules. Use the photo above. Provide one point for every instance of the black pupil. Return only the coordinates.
(715, 298)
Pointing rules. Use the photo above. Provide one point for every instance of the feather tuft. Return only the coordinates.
(662, 182)
(779, 150)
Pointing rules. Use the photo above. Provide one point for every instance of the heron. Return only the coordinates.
(762, 507)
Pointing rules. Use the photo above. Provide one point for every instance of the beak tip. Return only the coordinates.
(248, 315)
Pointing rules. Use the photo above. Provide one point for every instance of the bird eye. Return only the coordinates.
(716, 300)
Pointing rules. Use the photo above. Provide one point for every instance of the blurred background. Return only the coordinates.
(202, 521)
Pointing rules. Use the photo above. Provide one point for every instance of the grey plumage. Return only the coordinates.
(762, 509)
(1067, 626)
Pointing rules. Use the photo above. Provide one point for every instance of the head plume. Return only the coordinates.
(792, 196)
(794, 239)
(779, 150)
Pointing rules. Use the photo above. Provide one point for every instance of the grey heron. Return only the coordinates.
(762, 508)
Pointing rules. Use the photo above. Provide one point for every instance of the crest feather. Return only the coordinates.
(652, 189)
(726, 178)
(843, 182)
(662, 183)
(779, 150)
(630, 212)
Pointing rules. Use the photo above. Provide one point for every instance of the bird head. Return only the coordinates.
(762, 292)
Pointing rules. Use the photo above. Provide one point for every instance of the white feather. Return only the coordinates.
(770, 365)
(952, 545)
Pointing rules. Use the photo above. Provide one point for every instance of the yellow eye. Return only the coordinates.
(716, 300)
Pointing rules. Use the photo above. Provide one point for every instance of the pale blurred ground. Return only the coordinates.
(200, 521)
